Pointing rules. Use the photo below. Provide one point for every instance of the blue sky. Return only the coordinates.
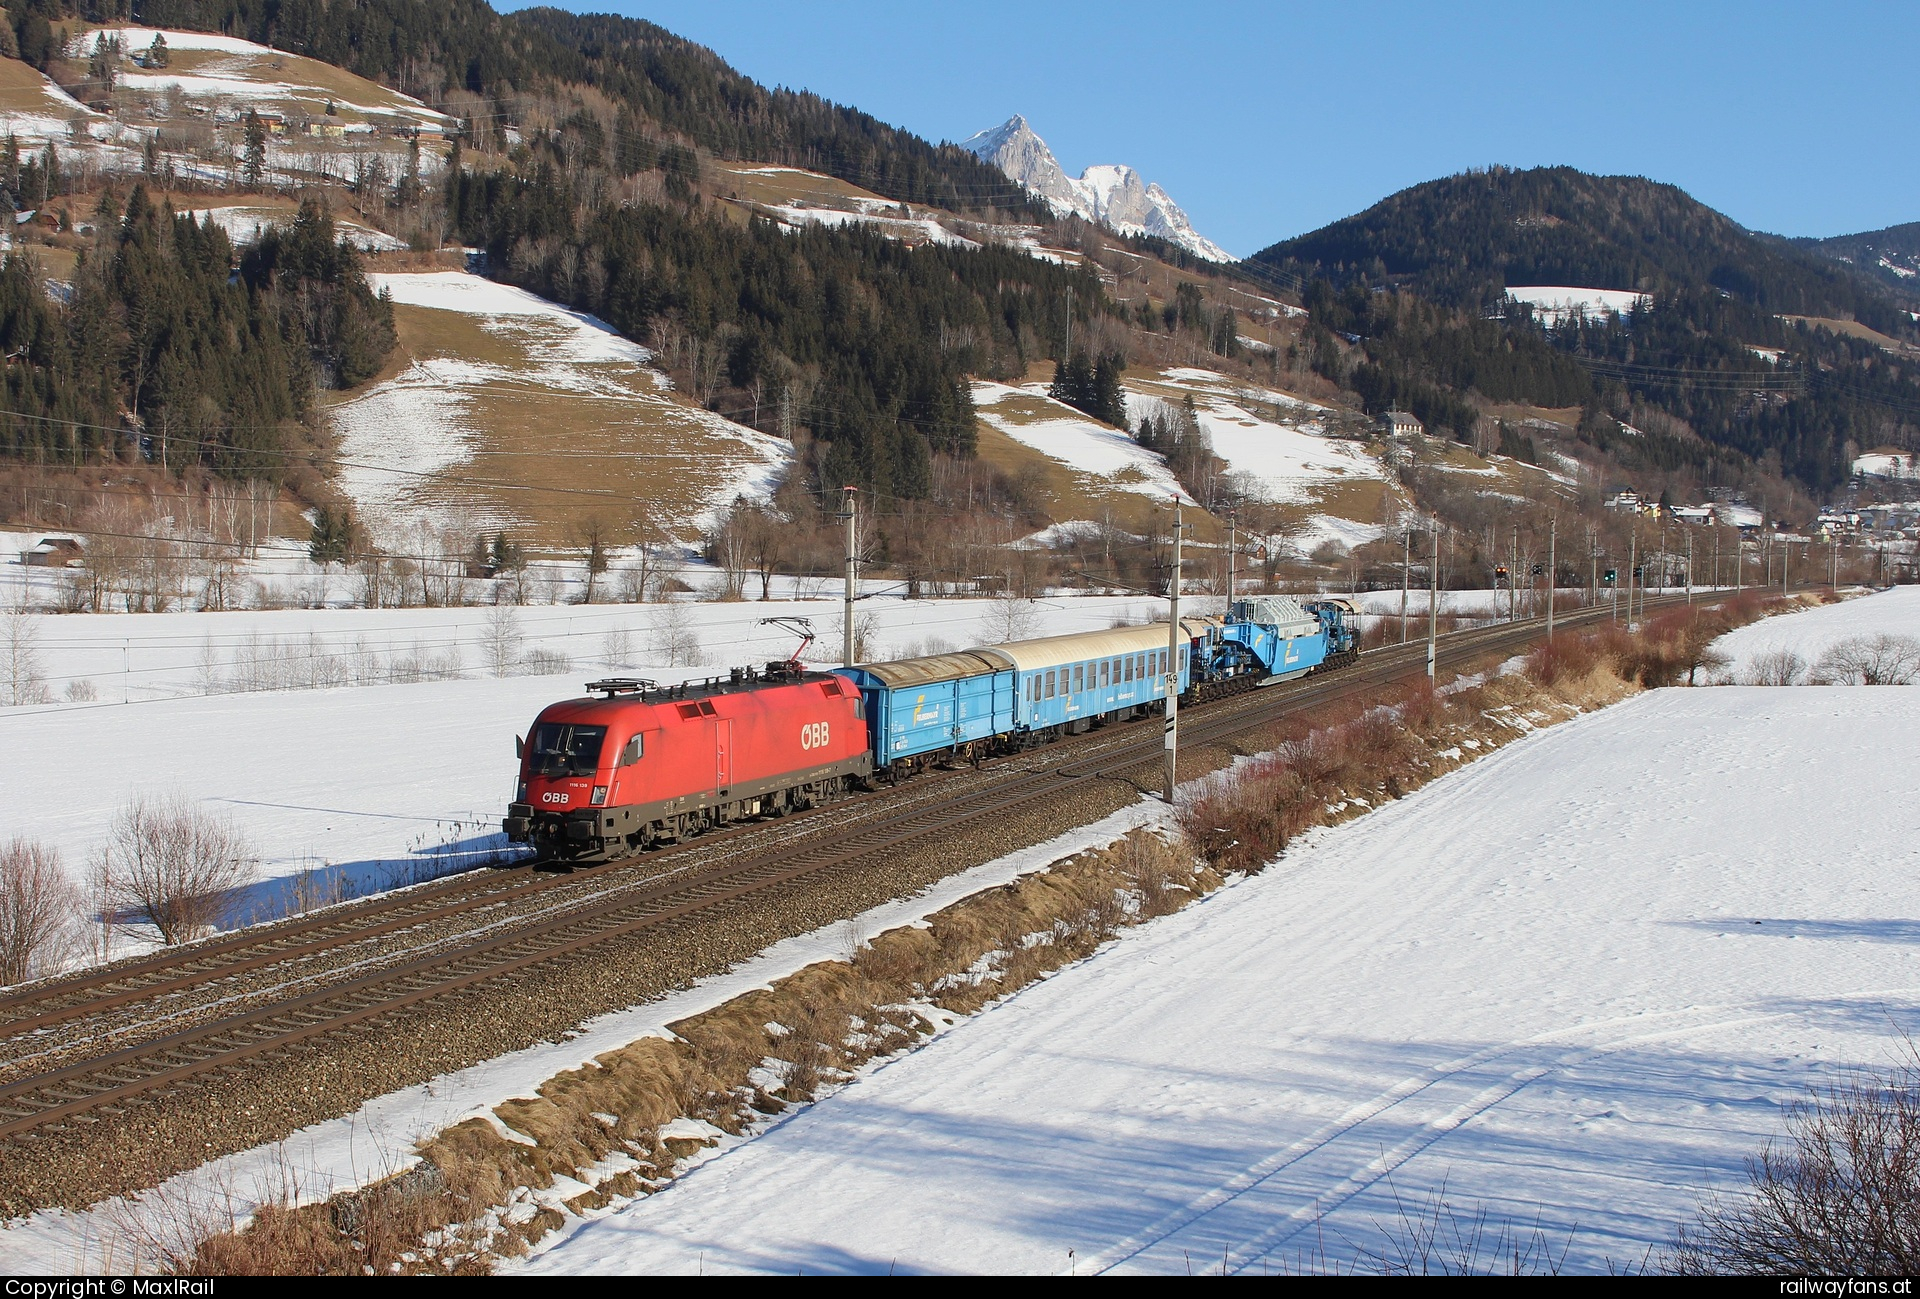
(1265, 120)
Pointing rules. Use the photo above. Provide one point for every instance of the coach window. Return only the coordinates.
(1049, 683)
(1079, 677)
(1128, 664)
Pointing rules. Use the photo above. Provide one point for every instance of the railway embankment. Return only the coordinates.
(490, 1187)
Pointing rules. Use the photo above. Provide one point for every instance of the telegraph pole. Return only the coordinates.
(1233, 548)
(1433, 603)
(1406, 577)
(1633, 551)
(852, 578)
(1553, 573)
(1513, 577)
(1689, 568)
(1173, 656)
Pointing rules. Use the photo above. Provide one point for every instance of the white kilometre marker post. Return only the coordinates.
(1173, 656)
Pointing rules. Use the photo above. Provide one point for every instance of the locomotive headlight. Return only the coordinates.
(599, 795)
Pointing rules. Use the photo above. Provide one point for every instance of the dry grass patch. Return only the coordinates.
(785, 186)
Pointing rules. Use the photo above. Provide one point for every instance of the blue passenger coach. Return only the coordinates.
(965, 705)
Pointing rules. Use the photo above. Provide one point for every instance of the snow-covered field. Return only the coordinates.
(379, 783)
(1553, 303)
(1812, 634)
(1570, 985)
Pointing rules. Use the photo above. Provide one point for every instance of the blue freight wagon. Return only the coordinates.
(939, 707)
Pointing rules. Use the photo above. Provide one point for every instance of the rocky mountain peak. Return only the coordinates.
(1113, 195)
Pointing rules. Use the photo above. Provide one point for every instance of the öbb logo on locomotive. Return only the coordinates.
(667, 762)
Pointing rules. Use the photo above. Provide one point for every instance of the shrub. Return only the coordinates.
(1841, 1198)
(39, 911)
(1881, 660)
(174, 864)
(1781, 667)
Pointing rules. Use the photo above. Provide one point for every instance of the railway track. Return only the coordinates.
(94, 1046)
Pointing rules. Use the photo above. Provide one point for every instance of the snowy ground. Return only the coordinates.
(1811, 634)
(1569, 984)
(374, 784)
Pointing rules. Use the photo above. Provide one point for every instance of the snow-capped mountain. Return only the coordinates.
(1115, 196)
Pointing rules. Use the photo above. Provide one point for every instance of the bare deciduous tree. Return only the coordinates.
(1781, 667)
(175, 864)
(673, 636)
(1010, 616)
(39, 912)
(20, 675)
(501, 639)
(595, 536)
(1882, 660)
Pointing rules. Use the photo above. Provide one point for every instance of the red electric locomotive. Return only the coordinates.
(645, 764)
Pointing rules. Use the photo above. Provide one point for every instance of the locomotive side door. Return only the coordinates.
(723, 753)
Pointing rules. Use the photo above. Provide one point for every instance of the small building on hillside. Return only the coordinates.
(1398, 423)
(56, 552)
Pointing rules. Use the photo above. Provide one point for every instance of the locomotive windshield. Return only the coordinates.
(562, 749)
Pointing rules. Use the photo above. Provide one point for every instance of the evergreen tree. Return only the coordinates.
(254, 164)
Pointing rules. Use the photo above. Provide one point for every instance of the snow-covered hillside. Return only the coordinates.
(1273, 441)
(1569, 985)
(515, 411)
(1116, 196)
(1104, 457)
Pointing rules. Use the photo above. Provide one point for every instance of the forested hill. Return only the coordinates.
(665, 87)
(1462, 240)
(1890, 257)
